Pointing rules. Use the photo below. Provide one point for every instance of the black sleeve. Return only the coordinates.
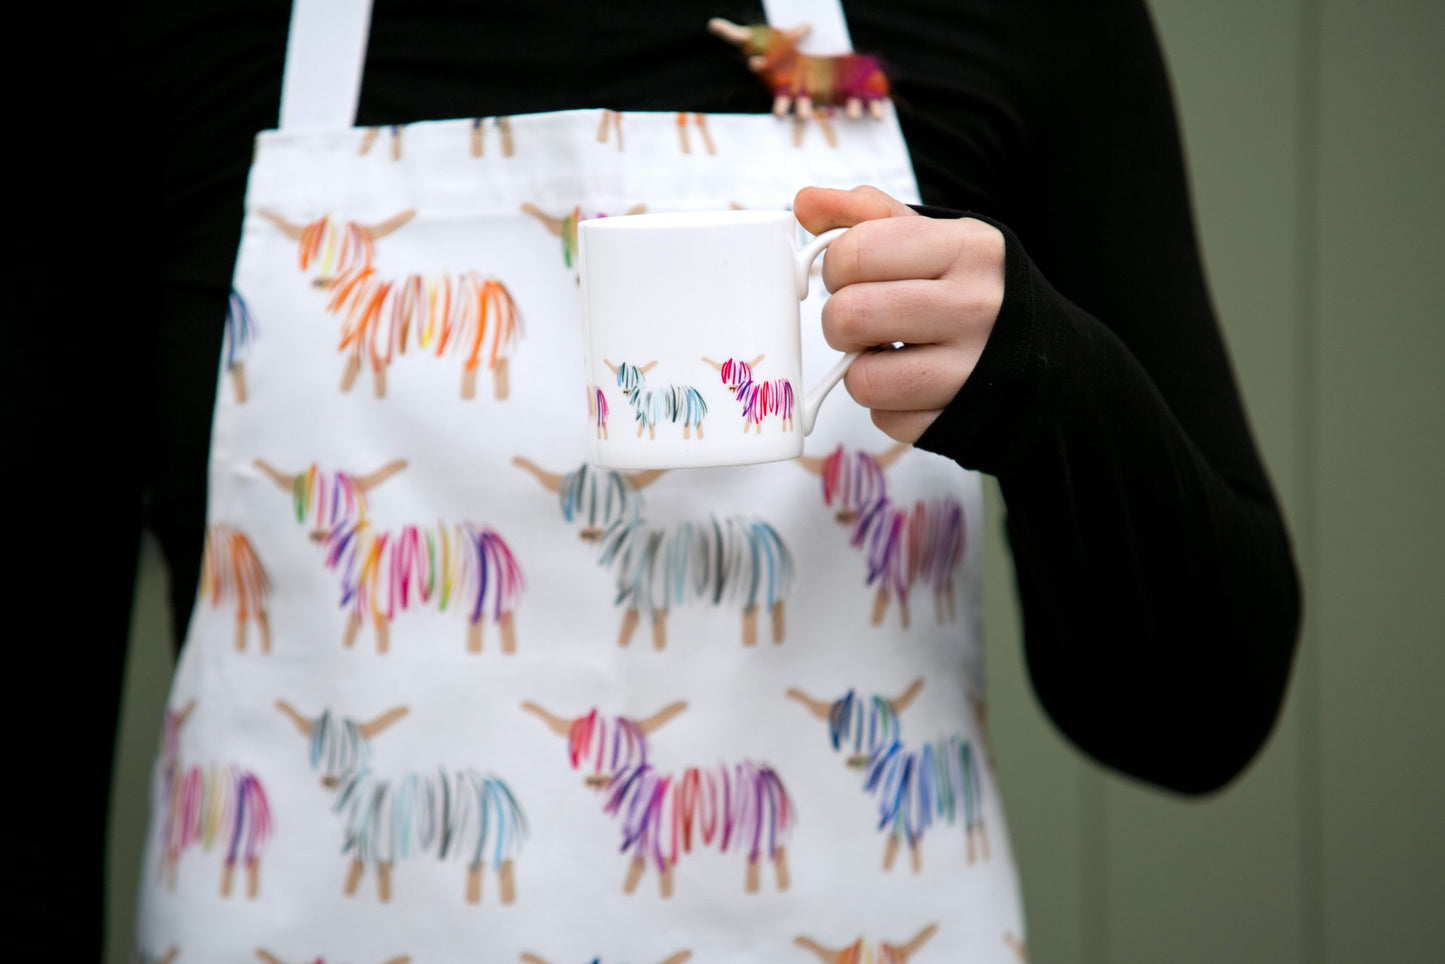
(1159, 594)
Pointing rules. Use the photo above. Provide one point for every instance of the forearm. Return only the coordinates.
(1159, 597)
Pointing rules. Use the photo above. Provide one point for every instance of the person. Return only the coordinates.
(1059, 337)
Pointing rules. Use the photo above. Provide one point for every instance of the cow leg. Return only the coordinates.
(383, 635)
(779, 622)
(780, 868)
(171, 857)
(238, 381)
(753, 876)
(253, 877)
(474, 883)
(687, 430)
(353, 876)
(854, 108)
(682, 133)
(952, 603)
(504, 124)
(890, 852)
(903, 609)
(880, 606)
(474, 637)
(469, 382)
(383, 882)
(659, 629)
(353, 626)
(241, 631)
(651, 432)
(228, 873)
(699, 431)
(664, 881)
(750, 626)
(263, 623)
(509, 634)
(701, 121)
(379, 381)
(915, 855)
(507, 881)
(348, 375)
(634, 874)
(501, 388)
(640, 427)
(629, 623)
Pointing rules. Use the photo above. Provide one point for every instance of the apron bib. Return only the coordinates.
(452, 694)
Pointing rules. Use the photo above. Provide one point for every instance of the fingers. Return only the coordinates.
(910, 379)
(917, 247)
(904, 426)
(913, 312)
(819, 208)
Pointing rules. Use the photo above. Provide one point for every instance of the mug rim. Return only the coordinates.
(681, 219)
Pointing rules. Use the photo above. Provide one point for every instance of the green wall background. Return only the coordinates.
(1315, 131)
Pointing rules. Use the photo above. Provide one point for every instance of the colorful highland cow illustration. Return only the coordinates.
(565, 227)
(901, 546)
(231, 573)
(368, 140)
(465, 314)
(597, 409)
(681, 957)
(759, 399)
(737, 561)
(666, 403)
(268, 958)
(239, 332)
(914, 786)
(504, 131)
(738, 807)
(138, 956)
(464, 567)
(799, 80)
(700, 122)
(437, 813)
(862, 951)
(215, 806)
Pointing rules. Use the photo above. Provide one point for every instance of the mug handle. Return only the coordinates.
(813, 400)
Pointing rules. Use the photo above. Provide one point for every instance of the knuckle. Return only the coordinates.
(845, 323)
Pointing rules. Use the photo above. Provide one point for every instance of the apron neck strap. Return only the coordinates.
(326, 49)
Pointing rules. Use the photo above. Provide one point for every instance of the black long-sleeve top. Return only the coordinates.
(1159, 595)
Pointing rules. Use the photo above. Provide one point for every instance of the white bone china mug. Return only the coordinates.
(693, 338)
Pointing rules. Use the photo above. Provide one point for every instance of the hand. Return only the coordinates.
(934, 285)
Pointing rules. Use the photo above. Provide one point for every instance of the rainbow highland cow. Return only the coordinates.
(914, 786)
(738, 807)
(901, 546)
(852, 81)
(759, 400)
(465, 566)
(210, 807)
(231, 573)
(465, 314)
(436, 813)
(666, 403)
(737, 560)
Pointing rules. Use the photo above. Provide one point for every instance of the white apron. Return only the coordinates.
(450, 694)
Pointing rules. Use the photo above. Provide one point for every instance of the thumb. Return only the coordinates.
(819, 208)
